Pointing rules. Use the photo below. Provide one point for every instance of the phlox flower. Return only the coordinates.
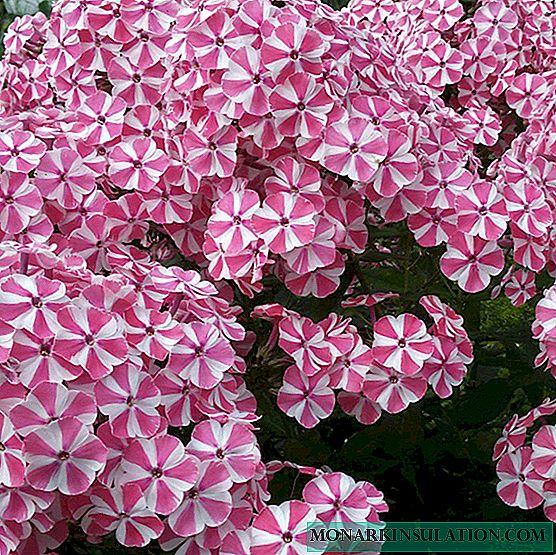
(63, 456)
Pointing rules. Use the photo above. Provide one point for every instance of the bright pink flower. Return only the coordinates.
(230, 224)
(40, 360)
(527, 207)
(90, 338)
(360, 406)
(207, 503)
(137, 164)
(32, 303)
(392, 390)
(520, 287)
(63, 456)
(151, 332)
(308, 399)
(543, 457)
(233, 444)
(471, 261)
(215, 155)
(300, 106)
(20, 151)
(62, 176)
(136, 85)
(285, 222)
(282, 529)
(402, 343)
(49, 402)
(129, 398)
(445, 368)
(162, 469)
(526, 93)
(293, 47)
(354, 148)
(124, 510)
(12, 465)
(202, 356)
(20, 200)
(520, 485)
(304, 341)
(247, 81)
(481, 211)
(335, 497)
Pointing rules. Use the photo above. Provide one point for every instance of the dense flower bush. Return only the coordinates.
(177, 176)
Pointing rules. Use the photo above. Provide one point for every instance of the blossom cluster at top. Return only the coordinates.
(249, 140)
(253, 133)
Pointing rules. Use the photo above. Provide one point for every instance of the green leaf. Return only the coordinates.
(22, 7)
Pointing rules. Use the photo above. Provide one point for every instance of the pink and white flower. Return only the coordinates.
(520, 485)
(123, 510)
(392, 390)
(282, 529)
(91, 338)
(285, 222)
(20, 201)
(354, 148)
(308, 399)
(63, 456)
(402, 343)
(202, 355)
(305, 342)
(129, 398)
(207, 503)
(232, 444)
(471, 261)
(162, 469)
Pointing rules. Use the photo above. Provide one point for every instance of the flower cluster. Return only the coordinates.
(238, 128)
(527, 472)
(99, 374)
(394, 371)
(247, 141)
